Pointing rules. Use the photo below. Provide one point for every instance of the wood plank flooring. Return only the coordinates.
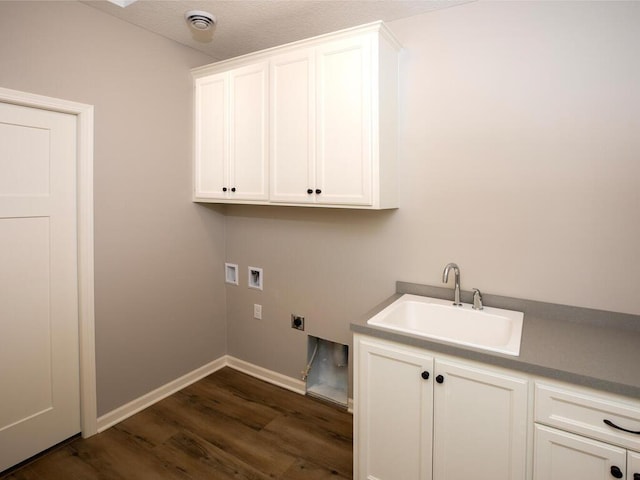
(227, 426)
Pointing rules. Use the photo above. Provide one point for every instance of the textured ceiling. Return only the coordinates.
(245, 26)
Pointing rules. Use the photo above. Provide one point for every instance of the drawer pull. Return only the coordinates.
(613, 425)
(616, 472)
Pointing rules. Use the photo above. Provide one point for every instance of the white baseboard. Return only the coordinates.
(269, 376)
(275, 378)
(139, 404)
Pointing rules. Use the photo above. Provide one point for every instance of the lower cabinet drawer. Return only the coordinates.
(596, 417)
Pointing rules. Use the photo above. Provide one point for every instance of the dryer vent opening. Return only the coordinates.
(327, 372)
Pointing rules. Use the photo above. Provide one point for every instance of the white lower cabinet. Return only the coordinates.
(393, 411)
(421, 416)
(561, 455)
(633, 465)
(584, 434)
(480, 423)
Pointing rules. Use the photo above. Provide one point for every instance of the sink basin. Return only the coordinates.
(492, 329)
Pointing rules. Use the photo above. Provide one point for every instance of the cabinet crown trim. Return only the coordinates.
(373, 27)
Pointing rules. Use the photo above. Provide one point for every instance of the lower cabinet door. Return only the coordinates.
(480, 423)
(561, 456)
(393, 399)
(633, 465)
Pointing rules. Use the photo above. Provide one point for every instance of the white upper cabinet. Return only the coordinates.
(211, 137)
(293, 127)
(231, 152)
(345, 150)
(248, 134)
(332, 124)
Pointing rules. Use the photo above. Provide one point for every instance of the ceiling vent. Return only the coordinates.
(200, 20)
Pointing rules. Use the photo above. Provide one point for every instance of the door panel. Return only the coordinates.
(560, 455)
(633, 465)
(480, 415)
(344, 122)
(39, 361)
(248, 133)
(292, 127)
(393, 423)
(212, 145)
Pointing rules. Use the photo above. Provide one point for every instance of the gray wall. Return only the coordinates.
(519, 160)
(160, 306)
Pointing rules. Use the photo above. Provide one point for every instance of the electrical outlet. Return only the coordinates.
(297, 321)
(257, 311)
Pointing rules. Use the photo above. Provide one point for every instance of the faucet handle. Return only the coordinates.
(477, 299)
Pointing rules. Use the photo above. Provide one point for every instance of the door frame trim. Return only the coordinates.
(86, 301)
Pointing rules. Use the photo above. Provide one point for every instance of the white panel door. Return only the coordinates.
(393, 417)
(560, 455)
(633, 465)
(39, 360)
(344, 121)
(293, 127)
(480, 423)
(248, 134)
(212, 137)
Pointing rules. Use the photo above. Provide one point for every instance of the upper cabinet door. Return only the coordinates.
(211, 174)
(248, 132)
(344, 121)
(293, 127)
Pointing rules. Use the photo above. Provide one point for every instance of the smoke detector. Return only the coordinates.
(199, 19)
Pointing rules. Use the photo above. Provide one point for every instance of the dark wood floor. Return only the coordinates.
(226, 426)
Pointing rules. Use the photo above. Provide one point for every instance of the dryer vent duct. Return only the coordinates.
(200, 20)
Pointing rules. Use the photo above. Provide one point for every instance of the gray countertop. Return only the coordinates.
(592, 348)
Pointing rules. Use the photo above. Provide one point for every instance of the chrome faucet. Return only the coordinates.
(456, 288)
(477, 299)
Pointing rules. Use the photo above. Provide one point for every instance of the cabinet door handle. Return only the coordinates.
(616, 472)
(439, 379)
(613, 425)
(224, 189)
(425, 375)
(309, 191)
(233, 189)
(318, 191)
